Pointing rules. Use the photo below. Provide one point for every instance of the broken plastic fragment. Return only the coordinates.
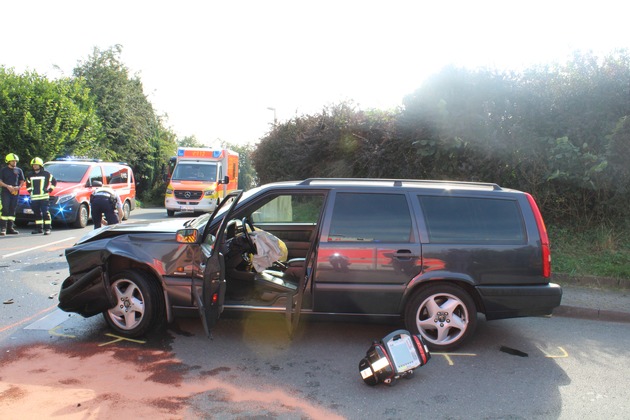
(512, 351)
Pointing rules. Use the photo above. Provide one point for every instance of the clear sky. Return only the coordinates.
(215, 67)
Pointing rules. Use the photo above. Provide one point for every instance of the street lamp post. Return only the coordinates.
(275, 120)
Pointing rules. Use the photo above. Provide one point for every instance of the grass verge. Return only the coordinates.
(598, 251)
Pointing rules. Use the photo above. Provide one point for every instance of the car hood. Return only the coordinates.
(61, 188)
(65, 188)
(169, 226)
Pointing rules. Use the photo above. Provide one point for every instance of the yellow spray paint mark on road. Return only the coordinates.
(448, 358)
(119, 338)
(563, 354)
(53, 332)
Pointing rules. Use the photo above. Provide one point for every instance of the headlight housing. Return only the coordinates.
(208, 193)
(65, 198)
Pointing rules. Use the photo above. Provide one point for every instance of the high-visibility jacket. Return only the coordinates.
(39, 184)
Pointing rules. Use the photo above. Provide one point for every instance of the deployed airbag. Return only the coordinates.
(268, 249)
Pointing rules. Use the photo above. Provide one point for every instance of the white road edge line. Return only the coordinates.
(50, 321)
(36, 247)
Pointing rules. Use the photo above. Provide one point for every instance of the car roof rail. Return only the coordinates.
(399, 182)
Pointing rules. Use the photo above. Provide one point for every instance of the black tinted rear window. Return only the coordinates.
(370, 218)
(472, 220)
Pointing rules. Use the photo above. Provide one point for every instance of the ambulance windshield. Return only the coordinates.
(195, 171)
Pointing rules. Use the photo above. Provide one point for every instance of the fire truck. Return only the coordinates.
(199, 179)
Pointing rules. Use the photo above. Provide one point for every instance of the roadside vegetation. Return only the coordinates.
(598, 251)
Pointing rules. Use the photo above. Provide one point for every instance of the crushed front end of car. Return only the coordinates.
(86, 290)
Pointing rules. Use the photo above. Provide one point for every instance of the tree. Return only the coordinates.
(189, 141)
(341, 141)
(133, 132)
(559, 132)
(44, 118)
(247, 177)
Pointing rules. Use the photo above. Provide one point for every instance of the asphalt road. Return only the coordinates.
(53, 364)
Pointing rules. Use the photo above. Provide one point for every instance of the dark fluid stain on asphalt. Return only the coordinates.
(82, 380)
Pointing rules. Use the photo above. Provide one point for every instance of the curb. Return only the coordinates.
(589, 313)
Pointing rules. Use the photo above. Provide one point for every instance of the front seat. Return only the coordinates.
(275, 281)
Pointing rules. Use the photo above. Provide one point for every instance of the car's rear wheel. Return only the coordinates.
(444, 314)
(139, 306)
(82, 217)
(126, 210)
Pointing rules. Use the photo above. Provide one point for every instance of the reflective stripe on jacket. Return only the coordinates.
(39, 184)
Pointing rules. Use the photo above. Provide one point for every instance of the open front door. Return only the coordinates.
(210, 296)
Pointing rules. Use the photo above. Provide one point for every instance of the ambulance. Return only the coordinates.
(199, 179)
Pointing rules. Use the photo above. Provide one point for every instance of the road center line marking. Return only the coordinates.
(36, 247)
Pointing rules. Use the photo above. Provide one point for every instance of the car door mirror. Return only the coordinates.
(187, 236)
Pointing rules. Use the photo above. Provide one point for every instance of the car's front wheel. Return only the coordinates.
(444, 314)
(139, 306)
(82, 217)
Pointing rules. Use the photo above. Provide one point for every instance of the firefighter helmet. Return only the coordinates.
(10, 157)
(37, 161)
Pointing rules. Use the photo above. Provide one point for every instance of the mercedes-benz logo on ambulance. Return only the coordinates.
(187, 194)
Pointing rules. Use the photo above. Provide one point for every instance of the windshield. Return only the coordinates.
(67, 172)
(203, 219)
(195, 171)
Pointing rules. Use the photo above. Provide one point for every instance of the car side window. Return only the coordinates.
(472, 220)
(116, 174)
(290, 209)
(359, 217)
(96, 174)
(120, 176)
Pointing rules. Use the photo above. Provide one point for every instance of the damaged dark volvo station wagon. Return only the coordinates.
(431, 253)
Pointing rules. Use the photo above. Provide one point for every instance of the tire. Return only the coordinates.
(126, 210)
(82, 217)
(21, 223)
(170, 213)
(444, 314)
(139, 305)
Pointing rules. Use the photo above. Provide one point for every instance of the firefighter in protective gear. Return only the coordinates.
(11, 180)
(39, 183)
(104, 202)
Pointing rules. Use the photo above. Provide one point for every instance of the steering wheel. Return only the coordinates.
(245, 223)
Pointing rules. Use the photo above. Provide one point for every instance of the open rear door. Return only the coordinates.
(210, 296)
